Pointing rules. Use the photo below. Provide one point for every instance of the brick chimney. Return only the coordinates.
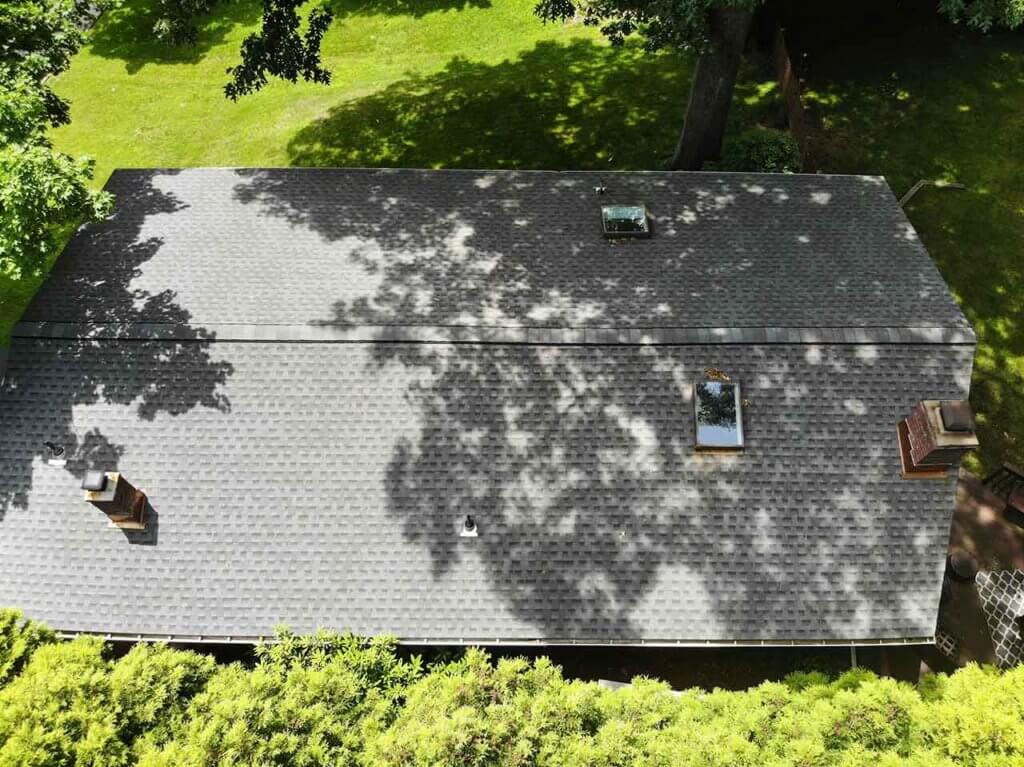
(935, 437)
(115, 496)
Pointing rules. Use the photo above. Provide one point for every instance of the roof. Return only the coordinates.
(316, 374)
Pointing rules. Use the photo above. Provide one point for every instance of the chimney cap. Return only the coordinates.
(94, 481)
(957, 415)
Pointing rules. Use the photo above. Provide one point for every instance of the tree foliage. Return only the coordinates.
(762, 150)
(19, 638)
(281, 49)
(42, 191)
(680, 24)
(331, 699)
(37, 39)
(985, 15)
(305, 703)
(176, 20)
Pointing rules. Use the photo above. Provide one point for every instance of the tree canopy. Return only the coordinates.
(280, 49)
(42, 191)
(985, 14)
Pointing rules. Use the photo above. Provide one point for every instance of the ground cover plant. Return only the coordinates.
(329, 699)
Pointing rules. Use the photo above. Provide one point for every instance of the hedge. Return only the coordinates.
(332, 699)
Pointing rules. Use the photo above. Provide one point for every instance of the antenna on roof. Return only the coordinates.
(600, 188)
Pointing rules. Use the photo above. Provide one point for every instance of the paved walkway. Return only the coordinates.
(980, 527)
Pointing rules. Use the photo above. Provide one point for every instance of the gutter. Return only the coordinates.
(236, 639)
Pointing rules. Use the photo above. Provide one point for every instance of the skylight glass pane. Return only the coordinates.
(625, 221)
(718, 414)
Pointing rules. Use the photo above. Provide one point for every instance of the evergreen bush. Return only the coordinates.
(761, 150)
(331, 699)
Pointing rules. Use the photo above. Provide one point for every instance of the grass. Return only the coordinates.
(436, 83)
(938, 102)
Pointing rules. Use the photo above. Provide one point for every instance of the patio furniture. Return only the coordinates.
(1004, 480)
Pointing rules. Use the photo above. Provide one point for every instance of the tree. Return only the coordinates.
(985, 14)
(280, 50)
(42, 191)
(176, 23)
(38, 39)
(716, 29)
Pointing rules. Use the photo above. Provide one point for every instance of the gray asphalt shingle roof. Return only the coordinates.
(296, 478)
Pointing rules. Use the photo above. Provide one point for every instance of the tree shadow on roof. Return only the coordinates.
(596, 516)
(90, 287)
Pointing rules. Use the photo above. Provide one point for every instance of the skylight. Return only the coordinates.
(625, 221)
(717, 410)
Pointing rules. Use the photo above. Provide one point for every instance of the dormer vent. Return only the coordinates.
(935, 437)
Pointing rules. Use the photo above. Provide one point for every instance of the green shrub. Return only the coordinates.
(19, 638)
(304, 704)
(331, 699)
(58, 710)
(151, 688)
(761, 150)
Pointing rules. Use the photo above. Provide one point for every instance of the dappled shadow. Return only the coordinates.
(89, 289)
(126, 33)
(414, 8)
(912, 97)
(581, 105)
(596, 516)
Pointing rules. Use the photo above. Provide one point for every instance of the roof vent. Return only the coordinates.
(718, 415)
(55, 454)
(468, 528)
(625, 221)
(935, 437)
(115, 496)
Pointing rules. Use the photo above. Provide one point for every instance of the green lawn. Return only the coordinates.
(934, 101)
(439, 83)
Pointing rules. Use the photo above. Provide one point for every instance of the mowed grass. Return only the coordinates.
(935, 101)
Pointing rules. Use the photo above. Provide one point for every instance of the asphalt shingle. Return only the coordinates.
(326, 483)
(268, 354)
(491, 248)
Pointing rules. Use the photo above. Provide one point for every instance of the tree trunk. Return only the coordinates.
(711, 91)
